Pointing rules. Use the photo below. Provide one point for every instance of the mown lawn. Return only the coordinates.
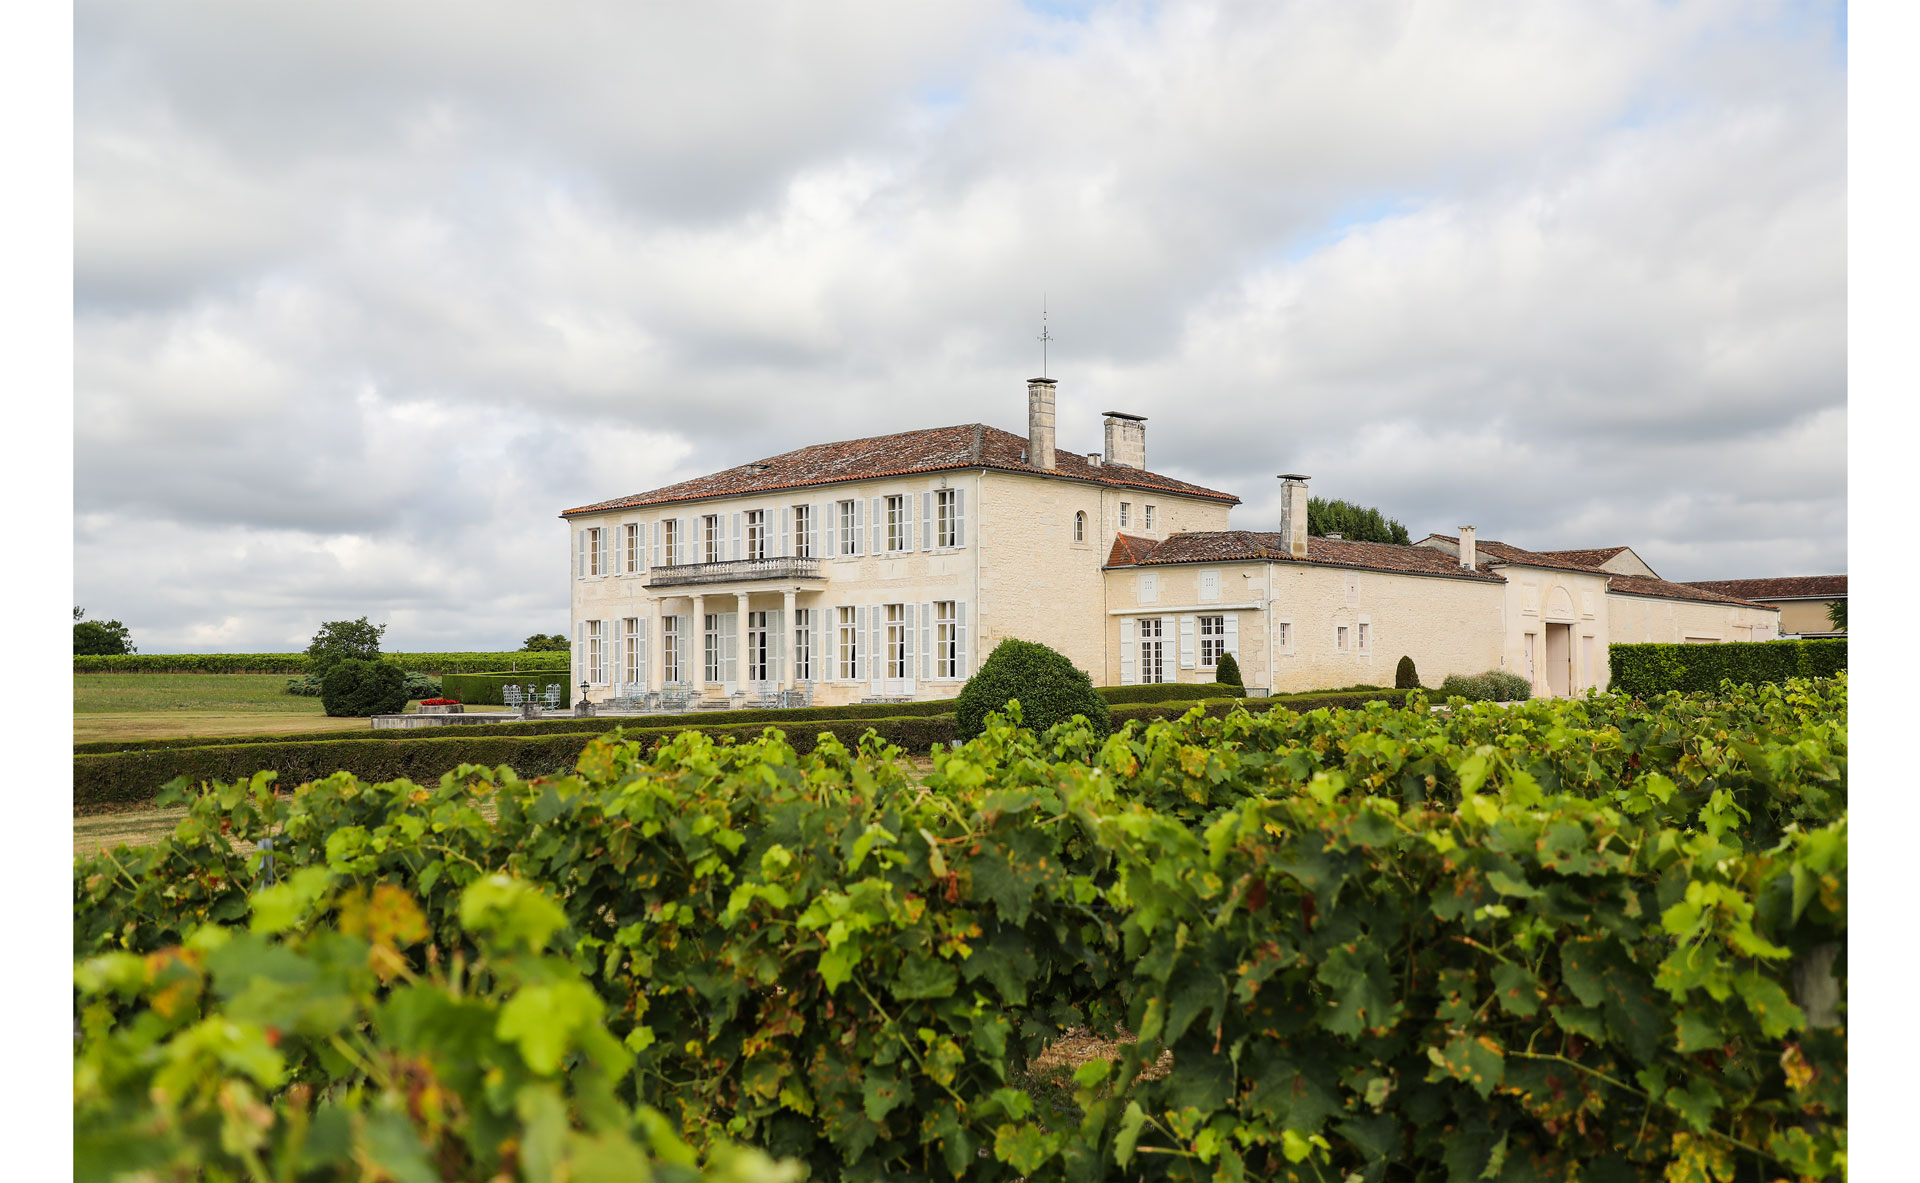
(161, 706)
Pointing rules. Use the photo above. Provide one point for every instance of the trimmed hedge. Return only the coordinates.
(1644, 670)
(568, 725)
(1217, 706)
(1049, 688)
(103, 782)
(1166, 692)
(296, 663)
(485, 689)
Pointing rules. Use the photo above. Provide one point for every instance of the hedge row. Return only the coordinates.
(1220, 707)
(296, 663)
(1645, 670)
(1167, 692)
(486, 689)
(117, 780)
(568, 725)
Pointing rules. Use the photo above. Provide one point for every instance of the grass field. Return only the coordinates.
(161, 706)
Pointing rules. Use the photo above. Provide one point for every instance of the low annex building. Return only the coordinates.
(890, 566)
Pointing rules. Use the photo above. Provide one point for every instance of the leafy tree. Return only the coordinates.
(1050, 690)
(545, 643)
(1227, 673)
(99, 638)
(1405, 677)
(1836, 615)
(1356, 523)
(356, 687)
(343, 640)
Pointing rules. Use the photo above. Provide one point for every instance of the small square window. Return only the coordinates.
(1149, 517)
(1340, 638)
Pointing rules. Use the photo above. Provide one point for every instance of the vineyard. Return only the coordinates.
(1593, 939)
(296, 663)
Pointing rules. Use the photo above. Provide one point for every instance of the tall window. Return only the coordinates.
(1286, 635)
(946, 525)
(896, 511)
(715, 649)
(1340, 638)
(1080, 526)
(849, 625)
(670, 649)
(756, 533)
(1125, 509)
(1213, 640)
(946, 640)
(759, 644)
(849, 530)
(1149, 522)
(596, 551)
(715, 545)
(671, 530)
(1152, 650)
(597, 652)
(802, 528)
(1365, 641)
(897, 641)
(803, 645)
(630, 641)
(635, 559)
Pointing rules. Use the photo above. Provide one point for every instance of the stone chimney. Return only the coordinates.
(1293, 513)
(1126, 439)
(1467, 555)
(1040, 422)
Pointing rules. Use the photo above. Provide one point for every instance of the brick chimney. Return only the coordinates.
(1467, 554)
(1126, 439)
(1293, 513)
(1040, 422)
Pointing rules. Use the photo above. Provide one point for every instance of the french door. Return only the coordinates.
(1152, 664)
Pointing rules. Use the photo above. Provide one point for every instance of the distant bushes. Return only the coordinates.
(1164, 692)
(355, 687)
(296, 663)
(1644, 670)
(1492, 686)
(419, 686)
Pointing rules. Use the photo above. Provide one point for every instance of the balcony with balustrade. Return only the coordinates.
(772, 570)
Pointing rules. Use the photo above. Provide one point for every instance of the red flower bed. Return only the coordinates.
(439, 702)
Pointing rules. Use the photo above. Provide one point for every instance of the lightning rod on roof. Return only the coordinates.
(1045, 336)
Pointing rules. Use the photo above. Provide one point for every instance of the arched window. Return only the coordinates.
(1080, 526)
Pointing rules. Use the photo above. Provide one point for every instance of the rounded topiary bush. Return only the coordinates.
(1405, 677)
(357, 687)
(1227, 673)
(1050, 690)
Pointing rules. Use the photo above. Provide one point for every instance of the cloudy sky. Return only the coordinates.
(366, 293)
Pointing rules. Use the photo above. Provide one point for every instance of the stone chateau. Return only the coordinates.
(891, 566)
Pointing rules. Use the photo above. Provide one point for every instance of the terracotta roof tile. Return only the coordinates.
(1640, 585)
(1586, 558)
(1221, 546)
(934, 449)
(1780, 587)
(1128, 550)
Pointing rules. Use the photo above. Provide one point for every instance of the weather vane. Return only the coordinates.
(1045, 336)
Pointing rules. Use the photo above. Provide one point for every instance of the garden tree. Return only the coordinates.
(355, 687)
(1227, 673)
(97, 638)
(1050, 690)
(342, 640)
(545, 643)
(1836, 615)
(1405, 677)
(1356, 523)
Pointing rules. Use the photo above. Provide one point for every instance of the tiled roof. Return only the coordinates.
(1586, 558)
(1640, 585)
(1128, 550)
(934, 449)
(1499, 552)
(1782, 587)
(1222, 546)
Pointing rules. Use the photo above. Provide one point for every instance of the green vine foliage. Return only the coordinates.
(1559, 940)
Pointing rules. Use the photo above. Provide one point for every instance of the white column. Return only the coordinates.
(790, 676)
(697, 646)
(740, 641)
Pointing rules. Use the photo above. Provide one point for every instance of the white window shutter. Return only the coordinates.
(927, 539)
(814, 535)
(643, 675)
(580, 554)
(959, 517)
(680, 540)
(910, 643)
(777, 644)
(618, 656)
(861, 655)
(859, 525)
(827, 529)
(825, 647)
(579, 652)
(1233, 635)
(730, 646)
(876, 656)
(960, 639)
(734, 550)
(927, 626)
(786, 531)
(1126, 653)
(656, 544)
(1186, 642)
(879, 526)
